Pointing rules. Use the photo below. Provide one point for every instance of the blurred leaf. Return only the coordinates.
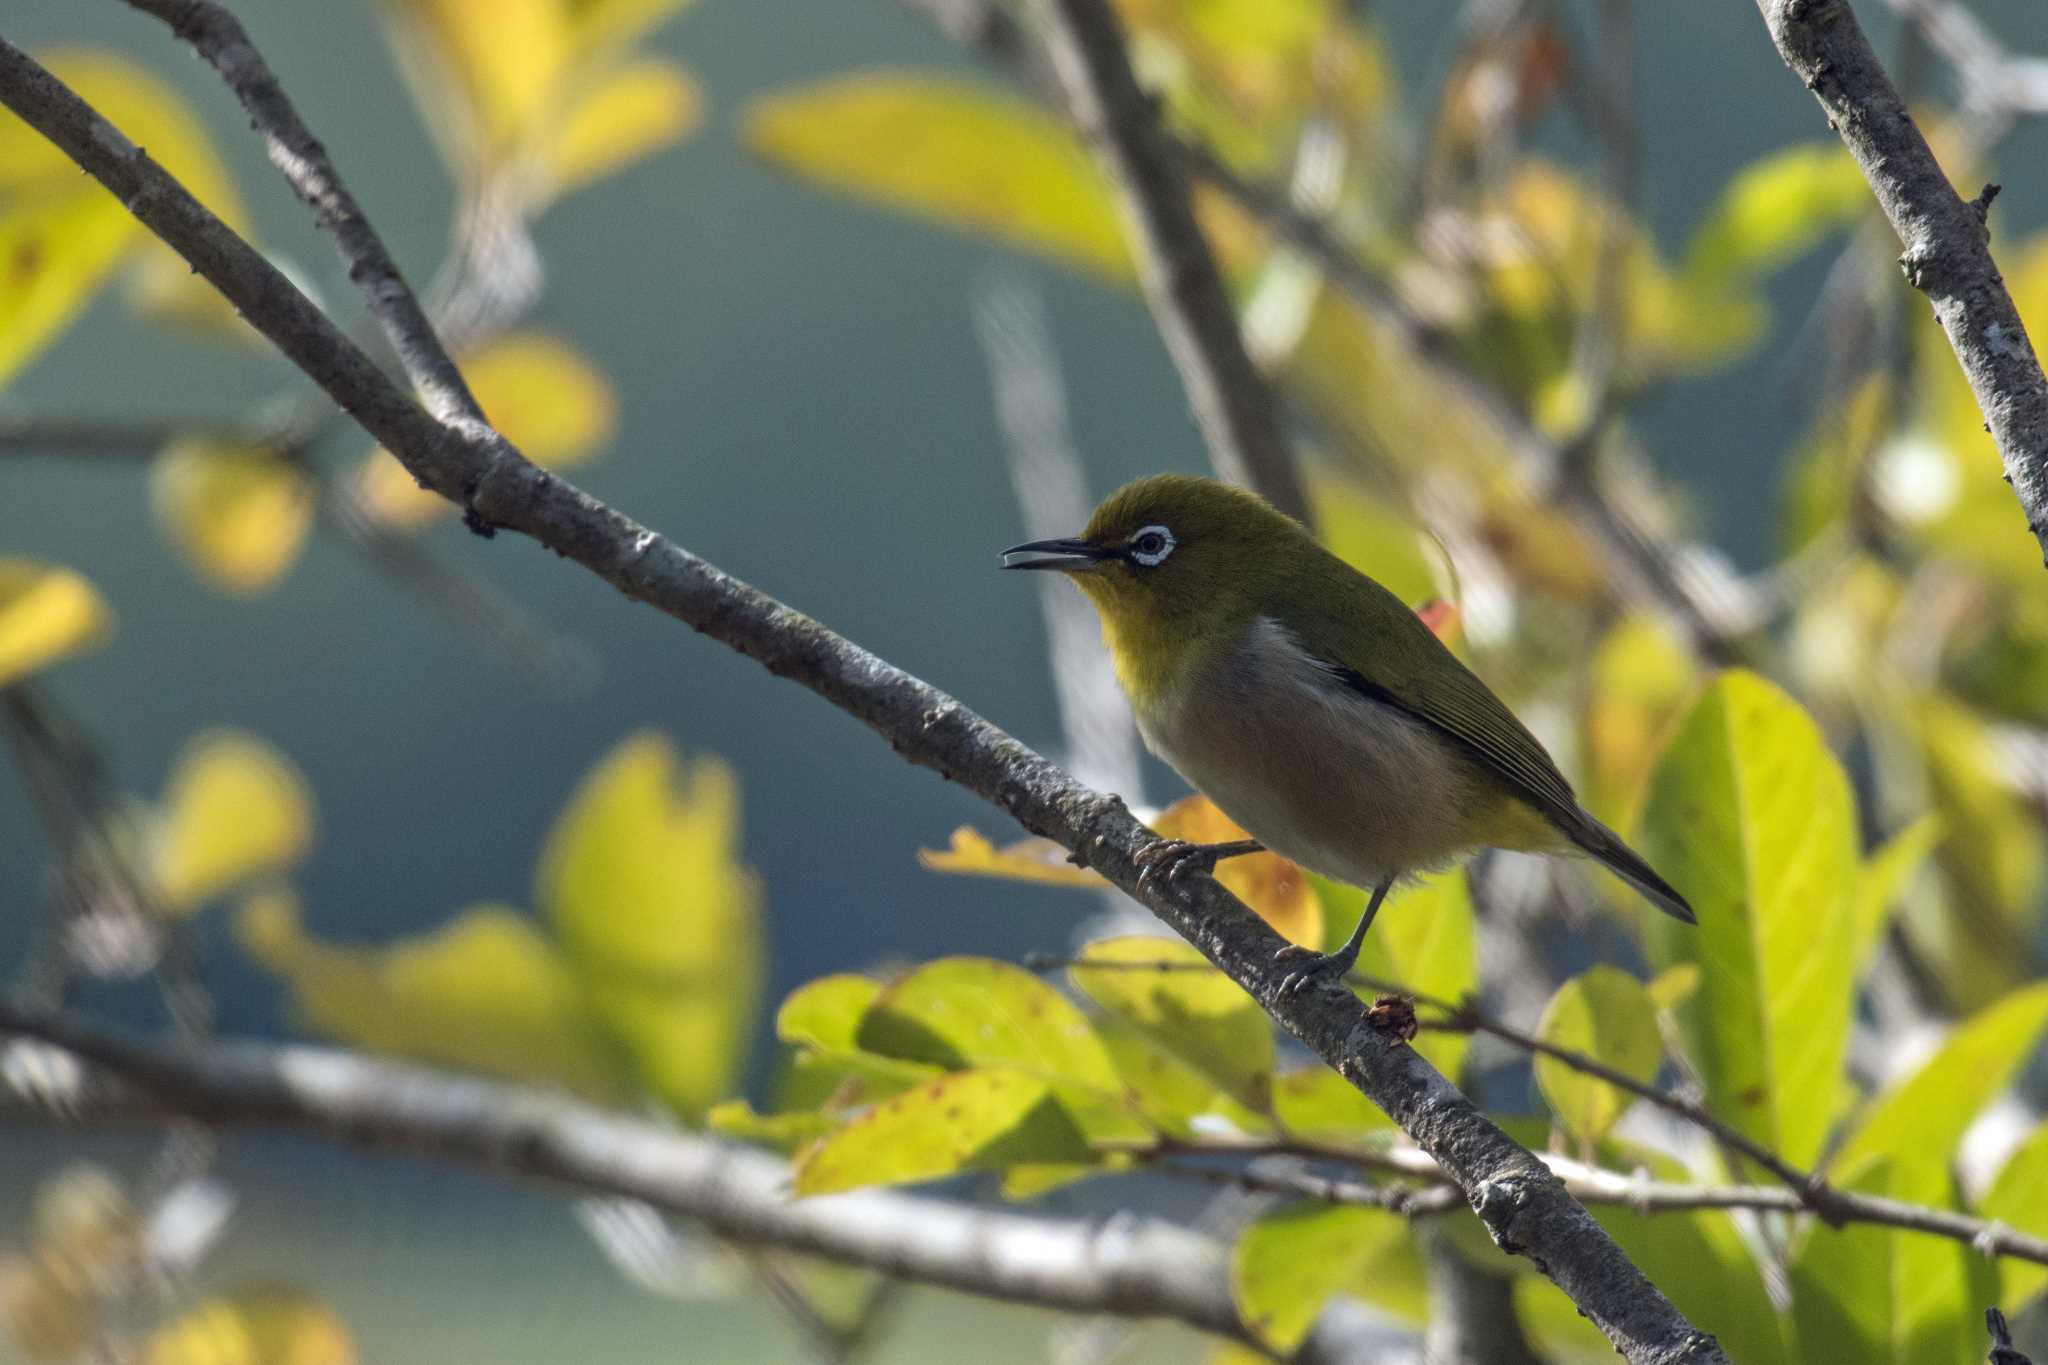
(1991, 859)
(612, 22)
(965, 1012)
(1288, 1264)
(1674, 986)
(256, 1324)
(1605, 1014)
(82, 1223)
(2018, 1197)
(1316, 1102)
(642, 880)
(1201, 1016)
(947, 151)
(493, 66)
(1172, 1095)
(539, 392)
(485, 992)
(50, 1317)
(1882, 881)
(969, 1120)
(1827, 474)
(235, 809)
(1376, 539)
(1751, 817)
(237, 513)
(1640, 680)
(55, 252)
(1271, 885)
(1422, 940)
(632, 113)
(1029, 860)
(826, 1013)
(784, 1131)
(47, 614)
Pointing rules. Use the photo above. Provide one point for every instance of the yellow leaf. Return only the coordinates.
(1201, 1016)
(236, 809)
(617, 22)
(632, 112)
(1376, 539)
(491, 66)
(642, 880)
(47, 614)
(256, 1324)
(544, 396)
(968, 1120)
(237, 513)
(1603, 1013)
(1276, 888)
(55, 252)
(1030, 860)
(486, 992)
(954, 153)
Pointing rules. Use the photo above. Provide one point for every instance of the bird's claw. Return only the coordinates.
(1315, 967)
(1170, 860)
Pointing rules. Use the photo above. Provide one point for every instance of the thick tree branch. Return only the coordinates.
(218, 37)
(1232, 402)
(1524, 1206)
(1135, 1267)
(1947, 252)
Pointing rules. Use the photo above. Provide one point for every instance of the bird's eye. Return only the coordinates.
(1151, 546)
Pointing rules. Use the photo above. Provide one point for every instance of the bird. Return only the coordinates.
(1311, 705)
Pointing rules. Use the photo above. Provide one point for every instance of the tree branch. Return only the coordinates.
(1947, 252)
(1524, 1206)
(1232, 402)
(1136, 1267)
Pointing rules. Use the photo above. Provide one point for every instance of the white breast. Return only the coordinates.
(1351, 787)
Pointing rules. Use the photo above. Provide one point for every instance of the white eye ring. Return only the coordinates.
(1151, 559)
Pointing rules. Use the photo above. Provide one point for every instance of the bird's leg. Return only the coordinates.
(1331, 966)
(1172, 859)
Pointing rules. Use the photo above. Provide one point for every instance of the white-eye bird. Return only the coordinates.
(1310, 704)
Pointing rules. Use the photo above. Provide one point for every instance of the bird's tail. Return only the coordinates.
(1604, 844)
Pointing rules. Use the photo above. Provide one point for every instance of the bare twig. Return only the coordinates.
(1231, 400)
(1133, 1266)
(1523, 1205)
(1946, 253)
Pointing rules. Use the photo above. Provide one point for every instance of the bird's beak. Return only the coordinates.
(1059, 554)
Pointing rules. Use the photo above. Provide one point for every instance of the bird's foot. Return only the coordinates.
(1169, 860)
(1315, 967)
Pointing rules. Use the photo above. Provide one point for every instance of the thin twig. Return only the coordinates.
(1523, 1205)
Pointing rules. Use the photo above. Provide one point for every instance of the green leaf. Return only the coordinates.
(1606, 1014)
(642, 880)
(1287, 1265)
(969, 1120)
(1316, 1102)
(976, 1012)
(784, 1131)
(485, 992)
(1376, 539)
(1422, 940)
(826, 1013)
(1172, 1095)
(947, 151)
(1776, 208)
(1201, 1016)
(2018, 1197)
(1881, 882)
(1750, 816)
(47, 614)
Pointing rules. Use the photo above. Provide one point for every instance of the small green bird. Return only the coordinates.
(1310, 704)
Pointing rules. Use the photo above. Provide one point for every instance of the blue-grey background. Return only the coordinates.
(804, 404)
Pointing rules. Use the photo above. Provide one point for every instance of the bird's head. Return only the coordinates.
(1170, 557)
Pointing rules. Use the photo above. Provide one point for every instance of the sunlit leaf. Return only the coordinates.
(826, 1013)
(2018, 1197)
(1422, 941)
(1605, 1014)
(486, 992)
(960, 154)
(1883, 880)
(1271, 885)
(541, 393)
(642, 880)
(55, 252)
(237, 513)
(785, 1131)
(235, 809)
(1315, 1101)
(1201, 1015)
(631, 113)
(969, 1120)
(1640, 679)
(1287, 1265)
(601, 23)
(1750, 816)
(488, 66)
(257, 1324)
(966, 1012)
(1377, 540)
(1169, 1093)
(1030, 860)
(47, 614)
(1674, 986)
